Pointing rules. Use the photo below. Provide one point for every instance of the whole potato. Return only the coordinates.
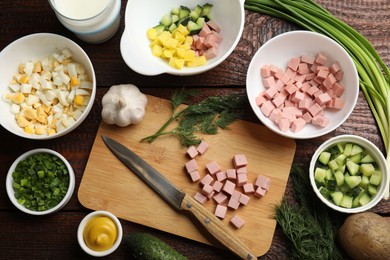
(365, 236)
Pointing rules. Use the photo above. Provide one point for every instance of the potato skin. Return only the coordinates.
(365, 236)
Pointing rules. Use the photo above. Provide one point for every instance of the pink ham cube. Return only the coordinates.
(267, 108)
(207, 179)
(213, 167)
(191, 166)
(242, 178)
(231, 174)
(265, 71)
(229, 187)
(233, 203)
(244, 199)
(237, 221)
(298, 124)
(194, 176)
(263, 182)
(320, 121)
(293, 63)
(321, 59)
(268, 82)
(217, 186)
(199, 197)
(220, 198)
(260, 192)
(249, 188)
(202, 147)
(221, 176)
(207, 190)
(192, 152)
(220, 211)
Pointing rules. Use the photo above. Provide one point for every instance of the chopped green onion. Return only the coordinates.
(373, 73)
(40, 181)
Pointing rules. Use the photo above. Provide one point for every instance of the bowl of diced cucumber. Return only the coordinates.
(40, 182)
(349, 174)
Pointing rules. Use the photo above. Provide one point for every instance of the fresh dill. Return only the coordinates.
(205, 117)
(309, 225)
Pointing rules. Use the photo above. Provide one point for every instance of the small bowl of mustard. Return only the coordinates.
(100, 233)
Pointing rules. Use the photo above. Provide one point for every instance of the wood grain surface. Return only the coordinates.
(109, 185)
(54, 236)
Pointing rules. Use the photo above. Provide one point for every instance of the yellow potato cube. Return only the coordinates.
(171, 43)
(189, 40)
(51, 131)
(40, 130)
(198, 61)
(157, 50)
(189, 55)
(23, 79)
(30, 114)
(167, 53)
(79, 100)
(176, 63)
(163, 37)
(179, 36)
(183, 30)
(37, 67)
(152, 34)
(185, 46)
(180, 52)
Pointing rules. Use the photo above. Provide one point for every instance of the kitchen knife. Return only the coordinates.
(178, 199)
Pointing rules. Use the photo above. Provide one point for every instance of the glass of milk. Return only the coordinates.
(93, 21)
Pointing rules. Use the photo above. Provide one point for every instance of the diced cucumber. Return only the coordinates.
(355, 202)
(324, 157)
(319, 175)
(337, 196)
(372, 190)
(356, 158)
(166, 20)
(355, 192)
(376, 178)
(340, 147)
(367, 159)
(333, 165)
(331, 185)
(172, 27)
(184, 12)
(340, 159)
(367, 169)
(175, 11)
(346, 202)
(339, 177)
(175, 18)
(200, 21)
(356, 149)
(206, 9)
(198, 9)
(193, 28)
(324, 191)
(159, 28)
(353, 168)
(352, 181)
(329, 175)
(364, 198)
(194, 16)
(348, 149)
(183, 21)
(365, 182)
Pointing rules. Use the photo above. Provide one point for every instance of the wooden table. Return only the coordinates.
(54, 236)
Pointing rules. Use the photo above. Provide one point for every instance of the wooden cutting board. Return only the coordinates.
(108, 185)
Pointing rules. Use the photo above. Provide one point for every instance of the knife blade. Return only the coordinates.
(178, 199)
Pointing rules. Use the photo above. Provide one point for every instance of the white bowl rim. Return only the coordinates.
(81, 227)
(62, 203)
(373, 149)
(290, 134)
(93, 79)
(157, 70)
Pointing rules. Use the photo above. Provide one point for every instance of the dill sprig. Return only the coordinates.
(309, 225)
(205, 117)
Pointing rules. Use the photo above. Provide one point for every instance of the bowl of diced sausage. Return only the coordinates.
(302, 84)
(47, 86)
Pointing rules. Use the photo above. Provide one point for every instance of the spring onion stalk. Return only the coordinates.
(374, 75)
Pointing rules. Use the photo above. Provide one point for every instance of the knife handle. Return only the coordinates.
(216, 228)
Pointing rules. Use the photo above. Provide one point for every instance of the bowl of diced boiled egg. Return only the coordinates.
(302, 84)
(47, 86)
(180, 37)
(349, 174)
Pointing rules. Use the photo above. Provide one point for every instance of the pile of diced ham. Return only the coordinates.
(300, 94)
(208, 40)
(229, 188)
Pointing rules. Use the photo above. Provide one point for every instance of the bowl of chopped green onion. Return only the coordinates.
(40, 182)
(349, 174)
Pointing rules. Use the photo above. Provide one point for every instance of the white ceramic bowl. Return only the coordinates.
(35, 47)
(61, 204)
(278, 51)
(141, 15)
(373, 150)
(83, 223)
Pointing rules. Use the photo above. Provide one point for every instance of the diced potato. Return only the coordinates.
(163, 37)
(79, 100)
(152, 34)
(189, 55)
(198, 61)
(183, 30)
(176, 63)
(157, 50)
(180, 52)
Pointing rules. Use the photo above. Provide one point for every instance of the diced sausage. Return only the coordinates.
(249, 188)
(267, 108)
(298, 124)
(242, 178)
(220, 198)
(191, 166)
(265, 71)
(229, 187)
(220, 211)
(192, 152)
(213, 167)
(194, 176)
(231, 174)
(221, 176)
(268, 82)
(207, 179)
(199, 197)
(237, 221)
(233, 203)
(321, 59)
(213, 25)
(293, 63)
(217, 186)
(202, 147)
(244, 199)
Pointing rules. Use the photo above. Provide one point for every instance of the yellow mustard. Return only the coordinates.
(100, 233)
